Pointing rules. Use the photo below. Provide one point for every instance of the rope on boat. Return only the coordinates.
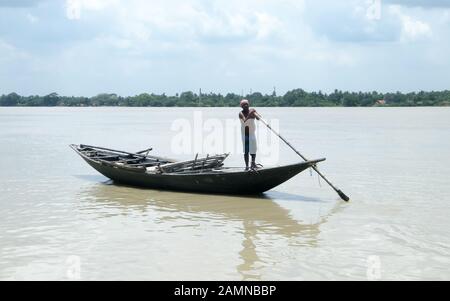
(318, 176)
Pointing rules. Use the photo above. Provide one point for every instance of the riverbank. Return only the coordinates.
(293, 98)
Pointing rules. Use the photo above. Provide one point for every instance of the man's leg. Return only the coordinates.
(246, 146)
(246, 160)
(253, 160)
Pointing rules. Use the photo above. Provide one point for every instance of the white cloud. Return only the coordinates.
(74, 8)
(9, 52)
(33, 19)
(412, 28)
(196, 20)
(224, 45)
(415, 29)
(373, 9)
(352, 21)
(268, 25)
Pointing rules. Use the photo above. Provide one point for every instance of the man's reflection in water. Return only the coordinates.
(259, 215)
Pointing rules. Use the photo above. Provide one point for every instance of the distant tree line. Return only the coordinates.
(293, 98)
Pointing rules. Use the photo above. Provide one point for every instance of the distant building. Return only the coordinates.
(380, 102)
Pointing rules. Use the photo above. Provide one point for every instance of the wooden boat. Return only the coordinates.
(207, 175)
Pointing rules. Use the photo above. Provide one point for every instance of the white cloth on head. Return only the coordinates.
(251, 124)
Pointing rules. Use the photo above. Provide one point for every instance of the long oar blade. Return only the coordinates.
(342, 195)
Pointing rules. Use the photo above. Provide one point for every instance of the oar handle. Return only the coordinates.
(338, 191)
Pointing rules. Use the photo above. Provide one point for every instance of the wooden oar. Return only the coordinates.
(338, 191)
(138, 154)
(145, 151)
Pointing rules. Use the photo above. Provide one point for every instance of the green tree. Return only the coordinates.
(294, 98)
(9, 100)
(51, 99)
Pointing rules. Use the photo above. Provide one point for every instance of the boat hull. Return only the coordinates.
(223, 181)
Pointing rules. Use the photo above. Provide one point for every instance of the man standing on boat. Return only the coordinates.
(248, 130)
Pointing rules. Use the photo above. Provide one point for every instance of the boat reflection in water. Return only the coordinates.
(257, 215)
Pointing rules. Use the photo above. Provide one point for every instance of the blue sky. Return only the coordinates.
(86, 47)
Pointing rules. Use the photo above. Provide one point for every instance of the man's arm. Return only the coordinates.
(252, 114)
